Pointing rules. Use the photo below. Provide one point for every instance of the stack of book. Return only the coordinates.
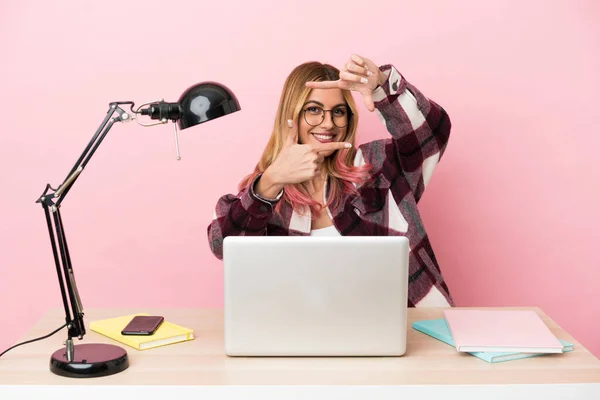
(494, 335)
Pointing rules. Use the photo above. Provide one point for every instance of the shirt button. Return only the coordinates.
(264, 208)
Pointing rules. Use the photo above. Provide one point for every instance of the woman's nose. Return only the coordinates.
(327, 119)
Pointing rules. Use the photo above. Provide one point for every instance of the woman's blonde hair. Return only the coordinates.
(339, 166)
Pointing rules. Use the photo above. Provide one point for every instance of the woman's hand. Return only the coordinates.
(359, 74)
(296, 163)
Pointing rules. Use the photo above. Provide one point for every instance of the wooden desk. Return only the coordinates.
(199, 367)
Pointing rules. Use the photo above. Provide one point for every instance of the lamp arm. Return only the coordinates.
(92, 146)
(51, 200)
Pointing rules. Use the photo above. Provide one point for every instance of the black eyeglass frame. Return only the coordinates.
(323, 116)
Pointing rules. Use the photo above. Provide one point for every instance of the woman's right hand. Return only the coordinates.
(296, 163)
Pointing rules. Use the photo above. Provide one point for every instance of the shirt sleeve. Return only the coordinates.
(244, 214)
(419, 127)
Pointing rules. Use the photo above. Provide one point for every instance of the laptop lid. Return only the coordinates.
(315, 296)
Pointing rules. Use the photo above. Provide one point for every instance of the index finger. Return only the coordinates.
(358, 59)
(331, 146)
(323, 85)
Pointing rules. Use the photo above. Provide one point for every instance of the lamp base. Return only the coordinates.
(90, 360)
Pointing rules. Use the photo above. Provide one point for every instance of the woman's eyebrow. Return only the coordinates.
(314, 101)
(321, 104)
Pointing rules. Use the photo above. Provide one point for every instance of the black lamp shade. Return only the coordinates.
(205, 101)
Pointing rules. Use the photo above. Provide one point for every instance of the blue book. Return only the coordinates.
(438, 329)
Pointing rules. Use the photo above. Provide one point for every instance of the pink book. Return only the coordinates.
(500, 331)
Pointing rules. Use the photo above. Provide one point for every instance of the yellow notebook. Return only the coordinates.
(167, 333)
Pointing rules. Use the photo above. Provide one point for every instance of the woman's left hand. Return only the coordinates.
(359, 74)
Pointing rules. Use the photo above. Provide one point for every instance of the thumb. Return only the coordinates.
(369, 101)
(292, 137)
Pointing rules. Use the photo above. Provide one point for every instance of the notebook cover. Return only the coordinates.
(509, 330)
(167, 333)
(438, 329)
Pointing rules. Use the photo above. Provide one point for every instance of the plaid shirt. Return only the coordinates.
(386, 205)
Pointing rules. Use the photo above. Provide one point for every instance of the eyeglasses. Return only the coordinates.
(314, 116)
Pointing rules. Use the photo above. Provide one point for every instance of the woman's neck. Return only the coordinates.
(315, 185)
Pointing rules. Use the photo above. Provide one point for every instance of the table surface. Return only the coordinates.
(202, 361)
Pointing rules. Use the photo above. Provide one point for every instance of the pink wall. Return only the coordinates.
(512, 210)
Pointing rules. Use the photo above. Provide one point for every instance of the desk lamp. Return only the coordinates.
(199, 103)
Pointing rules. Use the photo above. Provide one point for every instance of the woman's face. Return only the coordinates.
(324, 118)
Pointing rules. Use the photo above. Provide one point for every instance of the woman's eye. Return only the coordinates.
(340, 112)
(314, 110)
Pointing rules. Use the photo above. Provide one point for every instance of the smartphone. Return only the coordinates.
(143, 325)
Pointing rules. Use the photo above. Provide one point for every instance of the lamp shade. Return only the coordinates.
(205, 101)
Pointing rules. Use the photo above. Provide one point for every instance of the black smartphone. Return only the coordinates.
(143, 325)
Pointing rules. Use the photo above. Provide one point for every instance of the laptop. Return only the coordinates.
(315, 296)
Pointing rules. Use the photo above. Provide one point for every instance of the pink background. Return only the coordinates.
(512, 210)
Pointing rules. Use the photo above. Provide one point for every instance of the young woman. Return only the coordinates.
(311, 180)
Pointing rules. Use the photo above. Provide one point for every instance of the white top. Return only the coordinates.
(327, 231)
